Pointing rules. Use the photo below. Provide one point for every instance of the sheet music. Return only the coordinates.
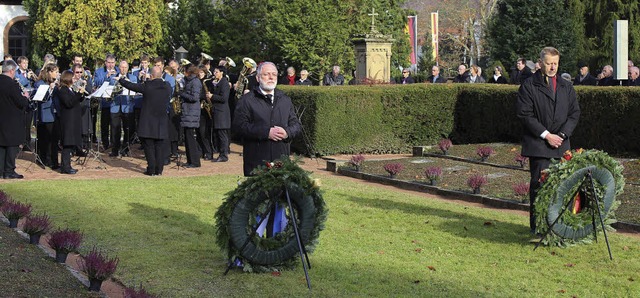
(128, 92)
(100, 92)
(41, 93)
(108, 90)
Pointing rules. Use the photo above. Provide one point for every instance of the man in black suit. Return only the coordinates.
(153, 128)
(522, 72)
(549, 112)
(406, 77)
(266, 121)
(585, 78)
(435, 76)
(633, 80)
(13, 105)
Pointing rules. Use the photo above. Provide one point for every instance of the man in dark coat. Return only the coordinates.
(463, 75)
(406, 77)
(153, 127)
(605, 78)
(266, 120)
(633, 80)
(12, 108)
(190, 117)
(584, 78)
(334, 78)
(221, 114)
(435, 76)
(522, 72)
(549, 111)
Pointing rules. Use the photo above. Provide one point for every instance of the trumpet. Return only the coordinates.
(79, 86)
(31, 75)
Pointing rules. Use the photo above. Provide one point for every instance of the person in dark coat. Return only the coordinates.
(463, 75)
(13, 105)
(205, 131)
(497, 77)
(406, 77)
(266, 120)
(435, 77)
(605, 78)
(304, 79)
(334, 78)
(221, 114)
(633, 80)
(549, 112)
(153, 127)
(190, 118)
(70, 120)
(290, 77)
(47, 118)
(521, 73)
(585, 78)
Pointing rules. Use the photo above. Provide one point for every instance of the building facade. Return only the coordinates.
(13, 31)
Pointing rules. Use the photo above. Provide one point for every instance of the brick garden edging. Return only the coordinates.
(335, 166)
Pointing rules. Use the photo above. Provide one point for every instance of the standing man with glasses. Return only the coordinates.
(435, 77)
(406, 77)
(108, 73)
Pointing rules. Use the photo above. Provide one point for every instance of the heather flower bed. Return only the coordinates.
(502, 182)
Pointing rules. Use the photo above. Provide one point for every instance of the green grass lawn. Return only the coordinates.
(377, 242)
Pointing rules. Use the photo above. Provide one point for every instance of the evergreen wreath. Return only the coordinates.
(236, 219)
(562, 181)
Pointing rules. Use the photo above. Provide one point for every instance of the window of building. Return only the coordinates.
(18, 39)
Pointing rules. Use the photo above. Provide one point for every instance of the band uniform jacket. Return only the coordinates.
(221, 112)
(540, 109)
(12, 107)
(70, 116)
(253, 118)
(154, 119)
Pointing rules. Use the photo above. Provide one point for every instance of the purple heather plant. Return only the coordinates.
(393, 168)
(484, 152)
(433, 173)
(444, 145)
(521, 189)
(65, 241)
(521, 159)
(98, 266)
(139, 293)
(37, 224)
(15, 210)
(356, 160)
(476, 181)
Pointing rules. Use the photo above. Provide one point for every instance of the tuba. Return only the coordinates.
(248, 64)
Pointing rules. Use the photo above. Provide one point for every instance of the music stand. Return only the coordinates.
(179, 163)
(591, 200)
(301, 249)
(36, 157)
(94, 154)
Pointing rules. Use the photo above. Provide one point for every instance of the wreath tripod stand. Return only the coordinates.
(591, 199)
(271, 206)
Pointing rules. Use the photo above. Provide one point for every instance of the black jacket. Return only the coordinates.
(540, 110)
(589, 80)
(463, 78)
(253, 118)
(408, 80)
(608, 81)
(331, 80)
(518, 77)
(500, 80)
(306, 82)
(439, 80)
(154, 119)
(12, 107)
(221, 112)
(190, 97)
(70, 116)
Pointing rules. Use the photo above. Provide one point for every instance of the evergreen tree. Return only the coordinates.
(190, 24)
(426, 61)
(521, 28)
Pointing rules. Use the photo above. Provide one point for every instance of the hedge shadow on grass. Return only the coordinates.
(460, 224)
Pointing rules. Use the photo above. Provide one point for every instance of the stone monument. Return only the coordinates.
(373, 54)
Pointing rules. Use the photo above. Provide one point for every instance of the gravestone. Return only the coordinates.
(373, 55)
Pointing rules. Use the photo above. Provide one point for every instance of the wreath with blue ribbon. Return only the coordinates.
(270, 246)
(564, 185)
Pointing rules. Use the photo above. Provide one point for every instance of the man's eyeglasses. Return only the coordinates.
(78, 71)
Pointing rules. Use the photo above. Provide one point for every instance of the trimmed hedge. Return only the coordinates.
(393, 118)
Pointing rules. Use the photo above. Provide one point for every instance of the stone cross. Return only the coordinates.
(373, 15)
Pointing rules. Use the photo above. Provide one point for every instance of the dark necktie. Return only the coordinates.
(270, 98)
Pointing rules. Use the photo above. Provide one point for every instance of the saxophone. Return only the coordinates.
(206, 103)
(176, 102)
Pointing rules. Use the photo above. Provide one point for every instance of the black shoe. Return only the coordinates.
(81, 153)
(208, 157)
(69, 171)
(190, 166)
(13, 176)
(125, 153)
(149, 173)
(55, 167)
(113, 154)
(221, 159)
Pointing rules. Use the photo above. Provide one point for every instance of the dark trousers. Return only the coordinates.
(28, 120)
(48, 137)
(204, 134)
(94, 119)
(8, 156)
(222, 138)
(120, 122)
(191, 146)
(67, 152)
(105, 122)
(154, 152)
(134, 121)
(536, 165)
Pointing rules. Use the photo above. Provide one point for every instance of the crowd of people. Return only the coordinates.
(147, 104)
